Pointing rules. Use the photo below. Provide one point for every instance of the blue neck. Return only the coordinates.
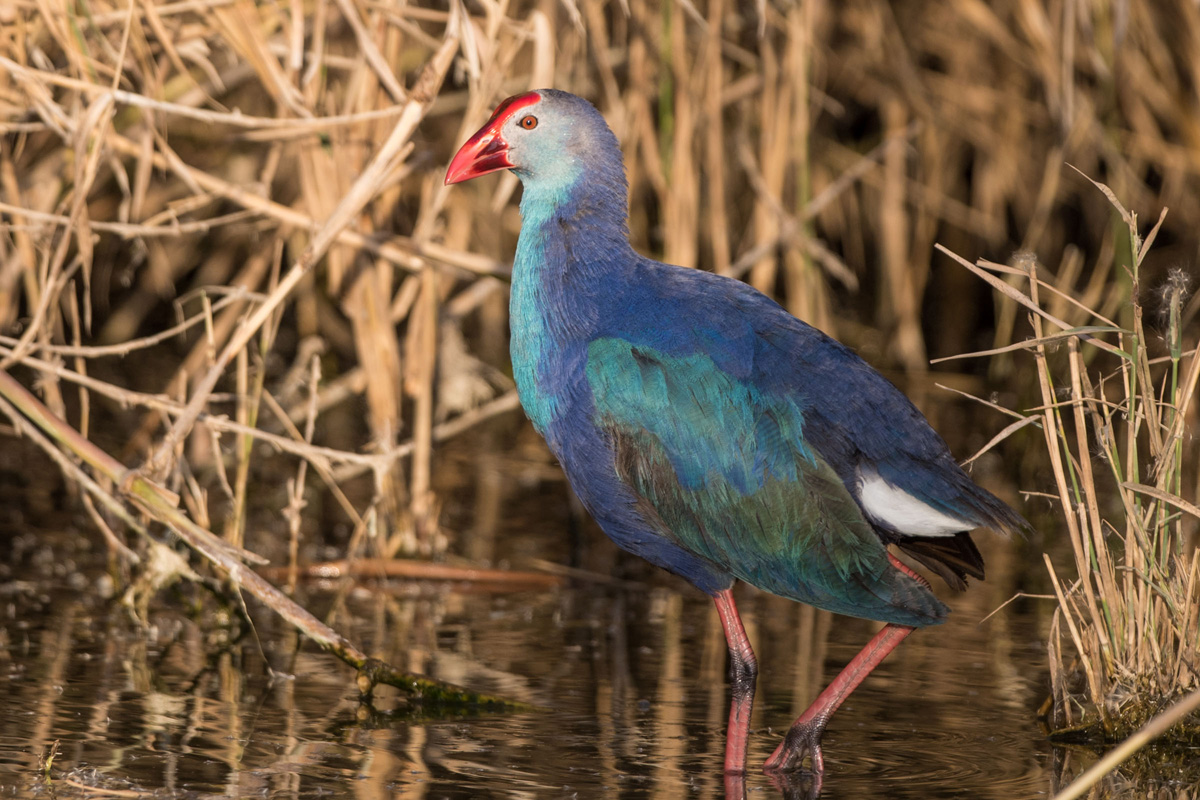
(573, 243)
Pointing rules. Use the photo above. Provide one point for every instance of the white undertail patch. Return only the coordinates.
(897, 509)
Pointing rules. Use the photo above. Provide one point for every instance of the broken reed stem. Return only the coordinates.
(295, 506)
(160, 505)
(423, 365)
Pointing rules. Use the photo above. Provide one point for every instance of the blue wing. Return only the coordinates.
(722, 468)
(857, 421)
(753, 393)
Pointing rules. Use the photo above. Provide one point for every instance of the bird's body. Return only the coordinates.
(703, 427)
(686, 438)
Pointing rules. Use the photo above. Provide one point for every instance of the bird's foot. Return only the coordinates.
(802, 739)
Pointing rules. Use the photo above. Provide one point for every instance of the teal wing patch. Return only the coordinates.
(724, 471)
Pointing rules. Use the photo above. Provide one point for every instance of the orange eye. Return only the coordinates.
(528, 122)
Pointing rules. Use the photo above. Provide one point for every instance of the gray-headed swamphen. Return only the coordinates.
(709, 431)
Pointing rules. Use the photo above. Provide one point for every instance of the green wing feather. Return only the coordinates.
(724, 471)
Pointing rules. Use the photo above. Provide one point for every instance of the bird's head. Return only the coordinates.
(548, 137)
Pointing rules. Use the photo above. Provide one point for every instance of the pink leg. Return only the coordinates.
(804, 737)
(743, 672)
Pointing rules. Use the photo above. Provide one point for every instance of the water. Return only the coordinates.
(632, 675)
(629, 667)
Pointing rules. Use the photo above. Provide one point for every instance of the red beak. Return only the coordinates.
(484, 152)
(487, 151)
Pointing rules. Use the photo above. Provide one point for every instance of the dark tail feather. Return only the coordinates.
(952, 558)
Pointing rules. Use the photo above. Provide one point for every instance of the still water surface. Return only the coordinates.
(632, 675)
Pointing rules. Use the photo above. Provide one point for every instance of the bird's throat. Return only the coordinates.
(562, 275)
(537, 307)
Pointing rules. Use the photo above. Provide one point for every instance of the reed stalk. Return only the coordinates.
(1116, 409)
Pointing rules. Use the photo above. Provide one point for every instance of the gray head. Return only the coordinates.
(557, 143)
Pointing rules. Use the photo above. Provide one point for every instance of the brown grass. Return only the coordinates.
(1117, 419)
(1132, 615)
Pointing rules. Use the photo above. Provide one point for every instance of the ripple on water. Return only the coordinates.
(928, 762)
(635, 713)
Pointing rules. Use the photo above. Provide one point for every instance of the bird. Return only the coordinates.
(711, 432)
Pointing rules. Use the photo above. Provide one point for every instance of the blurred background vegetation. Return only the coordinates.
(163, 166)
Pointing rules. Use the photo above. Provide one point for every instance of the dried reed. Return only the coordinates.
(1132, 616)
(1117, 421)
